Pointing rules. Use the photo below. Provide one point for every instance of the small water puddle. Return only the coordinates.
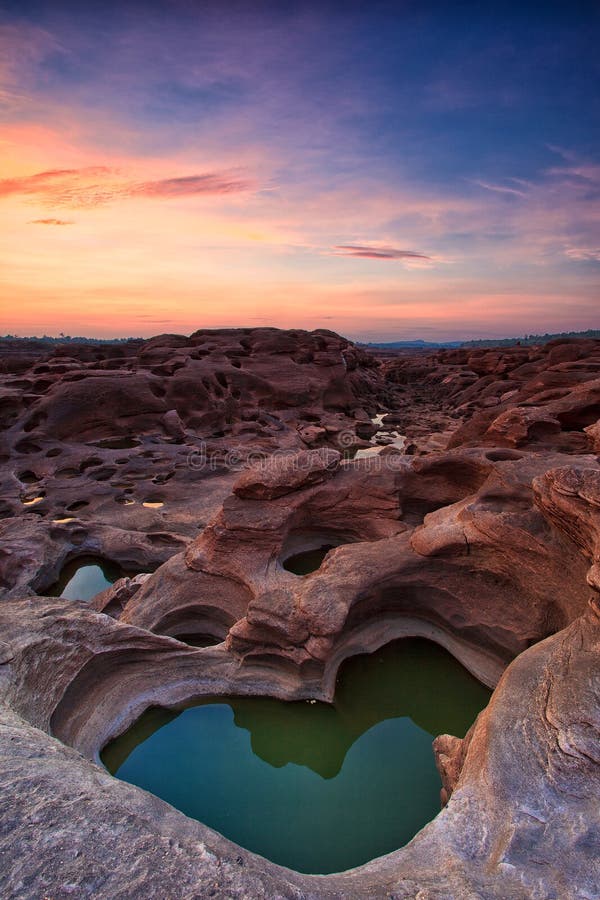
(314, 787)
(382, 438)
(83, 578)
(33, 501)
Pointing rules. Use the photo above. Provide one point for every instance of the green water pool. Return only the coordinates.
(314, 787)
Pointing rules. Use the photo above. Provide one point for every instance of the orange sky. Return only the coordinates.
(108, 228)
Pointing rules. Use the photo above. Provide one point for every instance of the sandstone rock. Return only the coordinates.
(570, 498)
(280, 475)
(522, 818)
(112, 600)
(484, 548)
(462, 538)
(450, 755)
(544, 397)
(173, 425)
(594, 432)
(148, 436)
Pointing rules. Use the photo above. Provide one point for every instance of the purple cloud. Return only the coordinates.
(374, 251)
(212, 183)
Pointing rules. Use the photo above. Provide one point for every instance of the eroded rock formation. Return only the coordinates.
(145, 437)
(485, 538)
(542, 397)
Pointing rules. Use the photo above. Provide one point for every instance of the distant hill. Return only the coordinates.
(526, 340)
(411, 345)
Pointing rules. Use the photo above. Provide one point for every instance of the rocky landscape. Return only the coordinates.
(202, 467)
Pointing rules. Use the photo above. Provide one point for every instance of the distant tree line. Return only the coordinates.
(530, 339)
(66, 339)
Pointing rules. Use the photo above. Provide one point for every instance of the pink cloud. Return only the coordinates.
(584, 254)
(99, 185)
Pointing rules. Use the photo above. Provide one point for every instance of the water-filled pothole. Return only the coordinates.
(84, 577)
(31, 500)
(314, 787)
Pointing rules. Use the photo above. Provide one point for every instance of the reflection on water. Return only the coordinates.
(31, 501)
(314, 787)
(84, 577)
(383, 437)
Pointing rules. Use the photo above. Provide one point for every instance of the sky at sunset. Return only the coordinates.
(386, 170)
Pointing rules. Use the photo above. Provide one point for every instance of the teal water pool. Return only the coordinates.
(83, 578)
(318, 788)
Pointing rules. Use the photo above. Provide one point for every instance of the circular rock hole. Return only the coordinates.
(304, 550)
(91, 461)
(28, 477)
(307, 561)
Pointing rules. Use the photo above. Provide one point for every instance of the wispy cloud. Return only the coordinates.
(501, 188)
(100, 185)
(212, 183)
(584, 254)
(51, 222)
(376, 251)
